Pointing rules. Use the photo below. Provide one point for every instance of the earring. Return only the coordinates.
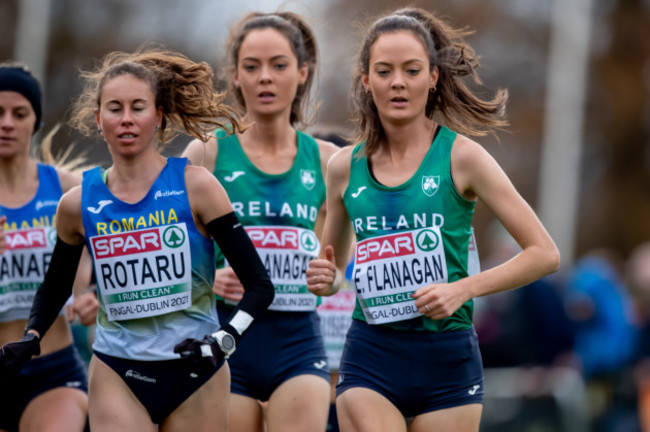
(99, 131)
(432, 89)
(157, 128)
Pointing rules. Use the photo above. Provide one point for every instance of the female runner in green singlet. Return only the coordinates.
(274, 173)
(407, 192)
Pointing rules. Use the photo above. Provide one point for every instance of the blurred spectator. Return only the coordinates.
(638, 274)
(525, 327)
(600, 308)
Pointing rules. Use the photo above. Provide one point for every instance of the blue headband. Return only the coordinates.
(19, 80)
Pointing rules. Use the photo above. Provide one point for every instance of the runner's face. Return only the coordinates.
(127, 115)
(399, 76)
(17, 121)
(268, 73)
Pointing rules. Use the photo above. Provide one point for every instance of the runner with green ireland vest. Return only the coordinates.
(279, 212)
(274, 176)
(407, 193)
(415, 234)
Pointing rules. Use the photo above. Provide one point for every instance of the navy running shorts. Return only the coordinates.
(277, 347)
(418, 372)
(62, 368)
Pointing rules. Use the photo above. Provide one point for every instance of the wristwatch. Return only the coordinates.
(226, 342)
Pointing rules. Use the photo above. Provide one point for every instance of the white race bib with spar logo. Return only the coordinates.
(286, 252)
(144, 273)
(23, 265)
(388, 269)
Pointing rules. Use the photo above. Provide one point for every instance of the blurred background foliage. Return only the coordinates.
(512, 37)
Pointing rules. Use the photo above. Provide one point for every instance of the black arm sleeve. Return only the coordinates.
(56, 287)
(240, 252)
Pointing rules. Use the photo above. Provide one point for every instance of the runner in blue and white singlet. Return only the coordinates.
(154, 269)
(150, 223)
(30, 235)
(51, 388)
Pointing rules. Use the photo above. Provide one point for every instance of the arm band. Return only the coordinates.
(240, 252)
(56, 287)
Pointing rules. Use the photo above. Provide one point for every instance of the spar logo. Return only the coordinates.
(28, 239)
(385, 247)
(397, 245)
(274, 237)
(128, 243)
(174, 237)
(427, 240)
(308, 241)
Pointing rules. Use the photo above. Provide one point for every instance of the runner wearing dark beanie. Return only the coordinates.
(20, 80)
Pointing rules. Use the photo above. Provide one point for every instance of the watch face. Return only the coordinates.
(228, 342)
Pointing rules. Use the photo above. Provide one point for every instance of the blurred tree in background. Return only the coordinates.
(512, 36)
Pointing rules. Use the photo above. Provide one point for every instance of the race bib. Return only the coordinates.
(286, 252)
(388, 269)
(23, 265)
(144, 273)
(335, 318)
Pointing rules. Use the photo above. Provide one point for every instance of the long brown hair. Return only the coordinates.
(303, 44)
(184, 89)
(452, 103)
